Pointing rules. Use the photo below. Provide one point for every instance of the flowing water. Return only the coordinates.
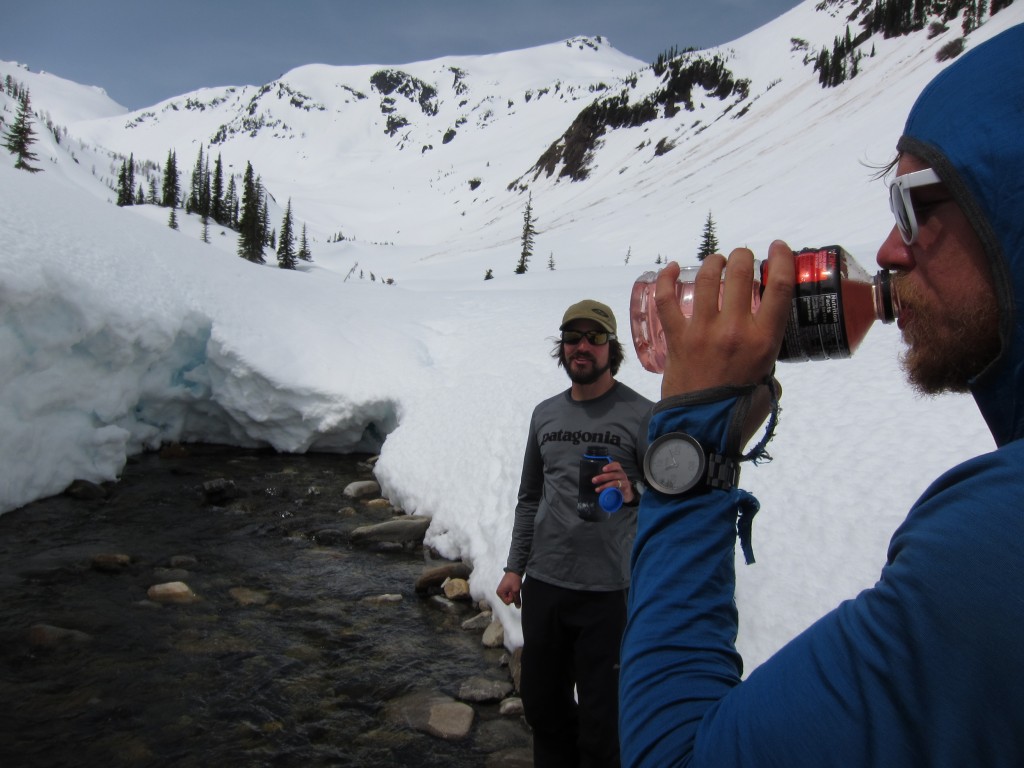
(296, 670)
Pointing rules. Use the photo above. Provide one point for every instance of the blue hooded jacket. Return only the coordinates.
(969, 125)
(926, 668)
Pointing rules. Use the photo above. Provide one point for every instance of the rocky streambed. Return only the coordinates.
(226, 607)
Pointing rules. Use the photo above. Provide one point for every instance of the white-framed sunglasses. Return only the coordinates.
(901, 204)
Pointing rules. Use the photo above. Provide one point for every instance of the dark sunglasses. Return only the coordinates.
(597, 338)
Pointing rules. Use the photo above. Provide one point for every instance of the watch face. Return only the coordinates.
(674, 463)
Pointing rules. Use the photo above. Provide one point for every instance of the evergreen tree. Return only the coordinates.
(265, 229)
(529, 231)
(217, 194)
(250, 237)
(20, 136)
(194, 204)
(551, 261)
(304, 253)
(972, 16)
(920, 13)
(123, 190)
(126, 183)
(172, 220)
(206, 229)
(205, 193)
(709, 242)
(230, 211)
(285, 251)
(171, 189)
(140, 195)
(824, 66)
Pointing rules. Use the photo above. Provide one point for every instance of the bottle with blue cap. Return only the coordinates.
(592, 506)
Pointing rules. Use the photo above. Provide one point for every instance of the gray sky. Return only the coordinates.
(143, 51)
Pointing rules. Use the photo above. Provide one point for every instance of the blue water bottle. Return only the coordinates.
(592, 506)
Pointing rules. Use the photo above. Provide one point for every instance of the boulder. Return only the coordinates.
(494, 635)
(433, 713)
(478, 623)
(433, 578)
(362, 488)
(484, 690)
(456, 589)
(172, 592)
(401, 529)
(511, 707)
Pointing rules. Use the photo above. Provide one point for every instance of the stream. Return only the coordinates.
(292, 654)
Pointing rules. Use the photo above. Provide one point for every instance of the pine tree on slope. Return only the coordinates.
(709, 242)
(250, 233)
(171, 188)
(21, 136)
(285, 249)
(529, 231)
(304, 252)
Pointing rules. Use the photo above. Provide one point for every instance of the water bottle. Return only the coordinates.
(834, 305)
(592, 506)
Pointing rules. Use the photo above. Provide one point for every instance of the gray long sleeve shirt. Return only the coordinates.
(549, 540)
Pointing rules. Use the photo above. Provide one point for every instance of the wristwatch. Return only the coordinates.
(676, 463)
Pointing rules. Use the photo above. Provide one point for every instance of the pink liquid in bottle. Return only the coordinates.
(834, 305)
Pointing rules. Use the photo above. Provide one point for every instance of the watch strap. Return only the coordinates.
(723, 473)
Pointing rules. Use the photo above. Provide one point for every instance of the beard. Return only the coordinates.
(947, 346)
(582, 368)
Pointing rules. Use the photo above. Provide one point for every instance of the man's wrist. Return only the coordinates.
(638, 491)
(707, 422)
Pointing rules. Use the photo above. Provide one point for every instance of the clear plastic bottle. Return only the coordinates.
(834, 305)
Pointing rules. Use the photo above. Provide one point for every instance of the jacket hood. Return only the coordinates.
(968, 124)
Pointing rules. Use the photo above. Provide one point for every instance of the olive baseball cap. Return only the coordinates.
(588, 309)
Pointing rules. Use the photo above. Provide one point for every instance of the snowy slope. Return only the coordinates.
(118, 333)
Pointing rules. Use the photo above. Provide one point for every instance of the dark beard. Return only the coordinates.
(947, 347)
(588, 376)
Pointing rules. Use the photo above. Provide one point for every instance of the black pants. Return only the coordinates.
(571, 638)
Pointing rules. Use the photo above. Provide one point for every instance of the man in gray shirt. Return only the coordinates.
(576, 568)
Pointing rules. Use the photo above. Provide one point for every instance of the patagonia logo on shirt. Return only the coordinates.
(580, 436)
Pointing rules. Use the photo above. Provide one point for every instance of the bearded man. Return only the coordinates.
(570, 573)
(924, 668)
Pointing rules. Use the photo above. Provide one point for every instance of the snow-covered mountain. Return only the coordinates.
(118, 334)
(442, 153)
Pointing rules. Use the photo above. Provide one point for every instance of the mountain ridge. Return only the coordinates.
(454, 144)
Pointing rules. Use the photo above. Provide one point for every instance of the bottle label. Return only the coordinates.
(815, 330)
